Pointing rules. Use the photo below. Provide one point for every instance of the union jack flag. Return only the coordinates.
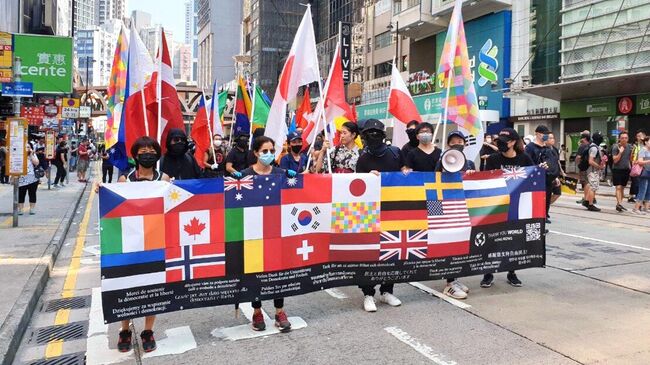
(403, 245)
(230, 183)
(514, 173)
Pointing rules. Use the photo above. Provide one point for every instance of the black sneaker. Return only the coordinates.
(487, 281)
(593, 208)
(282, 322)
(631, 200)
(148, 342)
(585, 204)
(124, 341)
(595, 201)
(513, 279)
(548, 221)
(581, 201)
(619, 208)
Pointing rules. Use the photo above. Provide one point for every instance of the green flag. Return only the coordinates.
(261, 110)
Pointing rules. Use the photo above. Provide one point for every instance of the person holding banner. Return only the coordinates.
(344, 157)
(146, 152)
(426, 155)
(264, 150)
(511, 156)
(413, 138)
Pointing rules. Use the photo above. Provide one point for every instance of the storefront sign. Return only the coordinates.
(46, 61)
(625, 104)
(16, 162)
(643, 104)
(536, 118)
(345, 37)
(605, 107)
(6, 56)
(427, 104)
(50, 143)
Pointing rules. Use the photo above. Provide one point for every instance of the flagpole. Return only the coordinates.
(233, 121)
(387, 112)
(159, 85)
(252, 118)
(443, 119)
(205, 105)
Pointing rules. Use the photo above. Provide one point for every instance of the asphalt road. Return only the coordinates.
(589, 305)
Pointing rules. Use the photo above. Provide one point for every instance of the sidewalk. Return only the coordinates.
(27, 254)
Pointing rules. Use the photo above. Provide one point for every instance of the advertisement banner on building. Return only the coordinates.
(428, 105)
(605, 107)
(643, 104)
(488, 42)
(50, 145)
(46, 61)
(345, 37)
(6, 56)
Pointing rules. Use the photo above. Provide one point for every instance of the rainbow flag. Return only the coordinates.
(462, 106)
(243, 108)
(116, 89)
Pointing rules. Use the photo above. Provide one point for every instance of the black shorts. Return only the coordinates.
(557, 190)
(620, 177)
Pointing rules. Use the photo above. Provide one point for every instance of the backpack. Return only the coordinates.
(584, 158)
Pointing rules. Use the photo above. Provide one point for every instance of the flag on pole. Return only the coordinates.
(303, 110)
(301, 68)
(116, 89)
(401, 106)
(336, 105)
(215, 111)
(261, 111)
(462, 104)
(200, 132)
(242, 108)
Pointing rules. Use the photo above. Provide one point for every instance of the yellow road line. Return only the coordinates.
(55, 347)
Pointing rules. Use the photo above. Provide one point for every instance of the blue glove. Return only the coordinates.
(291, 173)
(237, 175)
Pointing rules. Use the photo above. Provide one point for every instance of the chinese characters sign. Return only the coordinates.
(46, 61)
(6, 55)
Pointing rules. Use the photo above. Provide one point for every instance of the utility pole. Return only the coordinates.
(16, 78)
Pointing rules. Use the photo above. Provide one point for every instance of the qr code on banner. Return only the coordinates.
(533, 232)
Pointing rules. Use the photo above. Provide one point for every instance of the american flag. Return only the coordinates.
(514, 173)
(238, 184)
(447, 214)
(403, 245)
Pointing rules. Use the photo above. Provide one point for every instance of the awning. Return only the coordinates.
(628, 84)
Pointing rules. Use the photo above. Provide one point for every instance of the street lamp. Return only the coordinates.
(89, 60)
(397, 58)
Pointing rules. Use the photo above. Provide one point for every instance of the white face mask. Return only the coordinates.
(218, 143)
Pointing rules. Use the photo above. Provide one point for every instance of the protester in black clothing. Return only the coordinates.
(546, 158)
(489, 147)
(107, 166)
(557, 189)
(413, 138)
(378, 157)
(215, 158)
(511, 155)
(238, 158)
(177, 163)
(60, 162)
(426, 155)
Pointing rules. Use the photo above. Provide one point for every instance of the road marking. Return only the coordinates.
(93, 250)
(336, 293)
(243, 332)
(55, 348)
(440, 295)
(178, 341)
(423, 349)
(602, 241)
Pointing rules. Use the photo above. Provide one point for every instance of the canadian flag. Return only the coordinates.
(402, 107)
(301, 68)
(163, 90)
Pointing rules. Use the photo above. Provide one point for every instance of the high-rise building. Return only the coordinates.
(141, 19)
(191, 38)
(94, 52)
(119, 8)
(182, 62)
(29, 16)
(219, 39)
(63, 16)
(85, 15)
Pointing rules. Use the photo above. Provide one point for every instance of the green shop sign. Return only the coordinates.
(643, 104)
(427, 104)
(46, 61)
(588, 108)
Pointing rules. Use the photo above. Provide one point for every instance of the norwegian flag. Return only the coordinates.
(514, 173)
(230, 183)
(403, 245)
(195, 262)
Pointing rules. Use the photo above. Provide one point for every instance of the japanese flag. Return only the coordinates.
(349, 188)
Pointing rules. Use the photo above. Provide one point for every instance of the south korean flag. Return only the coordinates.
(298, 219)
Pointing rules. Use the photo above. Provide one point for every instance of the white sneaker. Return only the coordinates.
(461, 286)
(369, 304)
(637, 212)
(454, 291)
(390, 299)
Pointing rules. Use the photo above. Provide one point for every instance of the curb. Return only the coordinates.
(17, 321)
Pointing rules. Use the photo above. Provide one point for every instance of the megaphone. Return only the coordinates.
(453, 160)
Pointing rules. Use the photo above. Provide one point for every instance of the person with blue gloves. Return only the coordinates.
(239, 158)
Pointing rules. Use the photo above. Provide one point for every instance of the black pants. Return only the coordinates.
(60, 173)
(549, 193)
(383, 288)
(107, 170)
(277, 303)
(634, 187)
(31, 189)
(4, 179)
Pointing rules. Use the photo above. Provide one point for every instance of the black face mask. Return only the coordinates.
(242, 143)
(413, 137)
(147, 160)
(178, 148)
(502, 146)
(296, 149)
(375, 143)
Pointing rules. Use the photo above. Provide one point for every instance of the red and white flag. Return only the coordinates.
(336, 104)
(301, 68)
(402, 107)
(201, 133)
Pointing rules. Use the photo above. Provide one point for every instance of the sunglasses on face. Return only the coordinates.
(266, 150)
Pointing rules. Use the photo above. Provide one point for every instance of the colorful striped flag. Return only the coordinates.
(116, 89)
(242, 109)
(487, 197)
(455, 72)
(403, 202)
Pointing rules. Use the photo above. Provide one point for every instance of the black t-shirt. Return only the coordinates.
(419, 160)
(390, 160)
(582, 149)
(540, 154)
(59, 151)
(240, 159)
(485, 150)
(406, 149)
(249, 171)
(499, 161)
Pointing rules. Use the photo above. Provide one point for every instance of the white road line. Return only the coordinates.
(423, 349)
(178, 341)
(602, 241)
(336, 293)
(438, 294)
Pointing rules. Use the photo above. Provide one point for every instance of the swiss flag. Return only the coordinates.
(305, 250)
(194, 227)
(303, 110)
(401, 106)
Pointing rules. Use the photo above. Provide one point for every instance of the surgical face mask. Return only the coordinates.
(218, 143)
(147, 160)
(425, 138)
(296, 148)
(502, 146)
(267, 158)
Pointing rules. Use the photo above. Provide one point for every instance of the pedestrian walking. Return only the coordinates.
(264, 149)
(84, 160)
(557, 189)
(107, 166)
(582, 163)
(61, 163)
(73, 156)
(621, 156)
(28, 183)
(214, 159)
(378, 157)
(563, 151)
(643, 196)
(638, 146)
(511, 155)
(177, 162)
(596, 165)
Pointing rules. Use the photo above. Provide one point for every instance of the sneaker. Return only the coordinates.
(619, 208)
(369, 304)
(32, 212)
(637, 212)
(148, 342)
(487, 281)
(631, 200)
(390, 299)
(282, 322)
(593, 208)
(454, 291)
(461, 286)
(258, 322)
(581, 201)
(513, 279)
(595, 201)
(20, 213)
(585, 204)
(548, 221)
(55, 185)
(124, 341)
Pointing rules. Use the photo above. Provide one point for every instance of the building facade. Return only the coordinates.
(85, 15)
(191, 37)
(94, 52)
(182, 63)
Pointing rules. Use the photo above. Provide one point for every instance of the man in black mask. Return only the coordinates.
(238, 158)
(413, 142)
(177, 163)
